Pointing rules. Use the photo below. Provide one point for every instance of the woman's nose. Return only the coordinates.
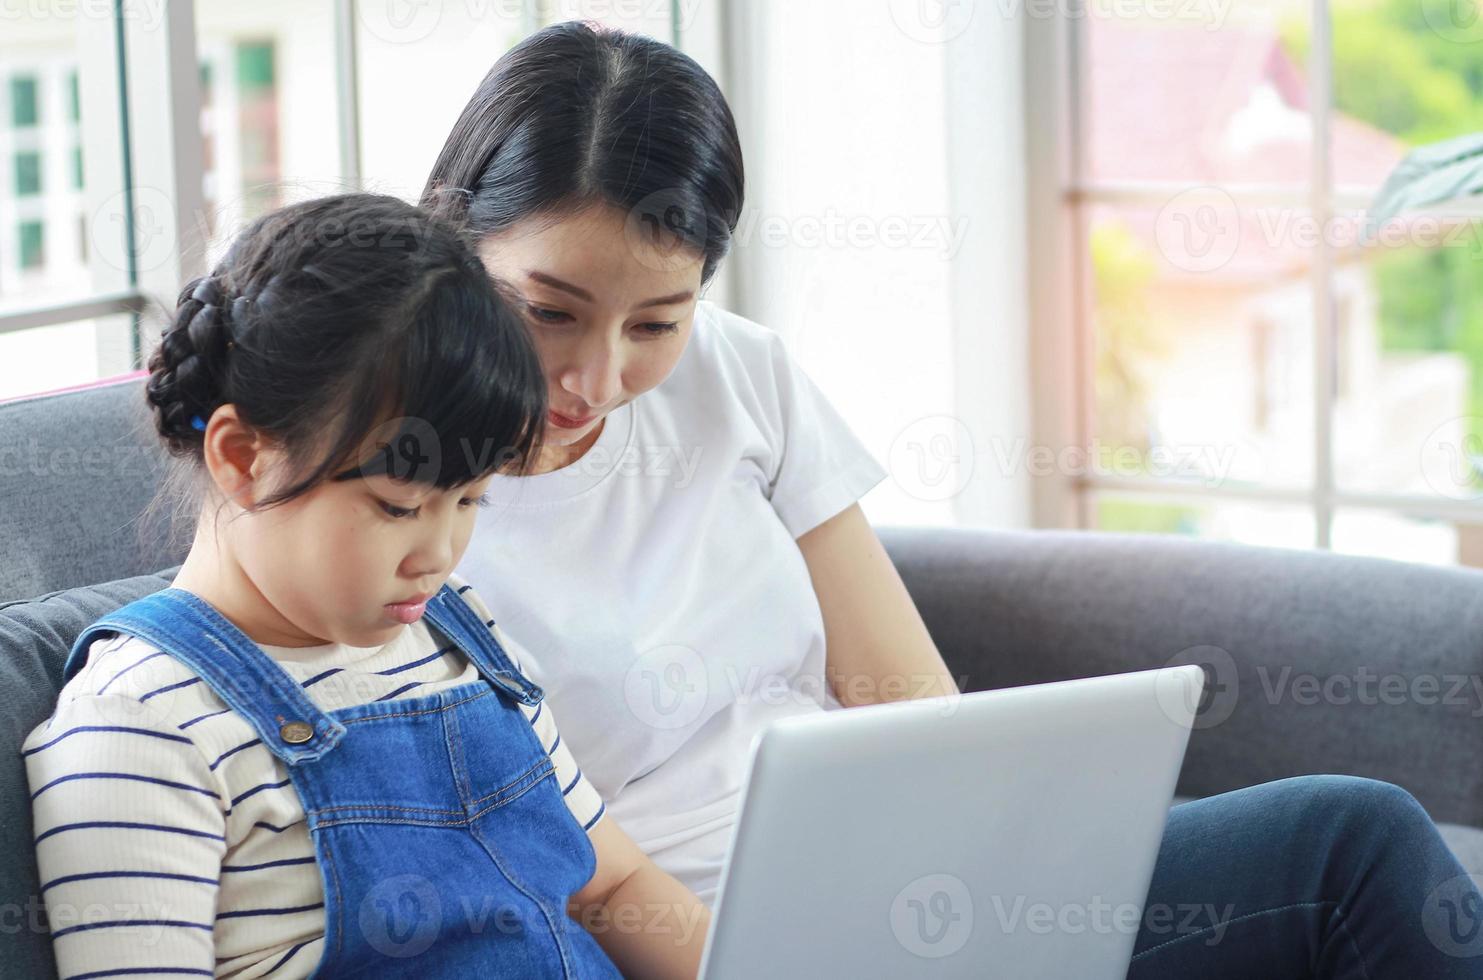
(597, 379)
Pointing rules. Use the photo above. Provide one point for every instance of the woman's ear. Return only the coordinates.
(236, 456)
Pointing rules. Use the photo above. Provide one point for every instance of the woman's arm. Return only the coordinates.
(878, 647)
(651, 926)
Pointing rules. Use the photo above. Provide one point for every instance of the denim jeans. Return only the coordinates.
(1314, 876)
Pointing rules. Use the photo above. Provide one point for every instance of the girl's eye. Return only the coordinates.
(482, 500)
(545, 315)
(659, 329)
(397, 512)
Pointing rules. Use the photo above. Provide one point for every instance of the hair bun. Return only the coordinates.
(188, 370)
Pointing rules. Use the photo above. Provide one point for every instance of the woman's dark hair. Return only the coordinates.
(578, 114)
(350, 321)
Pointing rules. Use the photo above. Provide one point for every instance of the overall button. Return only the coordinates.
(295, 732)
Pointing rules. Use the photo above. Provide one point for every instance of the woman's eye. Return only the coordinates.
(395, 511)
(482, 500)
(658, 329)
(545, 315)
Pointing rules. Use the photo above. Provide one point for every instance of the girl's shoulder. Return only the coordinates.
(134, 683)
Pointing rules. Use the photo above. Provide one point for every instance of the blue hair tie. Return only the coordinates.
(197, 423)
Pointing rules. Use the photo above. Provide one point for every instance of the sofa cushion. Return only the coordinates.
(35, 636)
(1271, 625)
(77, 470)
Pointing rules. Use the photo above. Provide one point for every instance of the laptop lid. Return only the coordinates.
(1007, 833)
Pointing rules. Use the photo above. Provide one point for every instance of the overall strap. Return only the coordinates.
(455, 618)
(190, 629)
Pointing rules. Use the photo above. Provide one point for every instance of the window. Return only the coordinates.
(32, 245)
(1231, 320)
(257, 94)
(261, 149)
(68, 294)
(23, 101)
(27, 173)
(76, 265)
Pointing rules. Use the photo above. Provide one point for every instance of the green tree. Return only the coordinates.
(1394, 70)
(1129, 343)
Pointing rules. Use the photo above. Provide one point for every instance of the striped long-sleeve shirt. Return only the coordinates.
(171, 842)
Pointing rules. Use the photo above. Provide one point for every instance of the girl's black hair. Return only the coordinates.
(579, 113)
(349, 322)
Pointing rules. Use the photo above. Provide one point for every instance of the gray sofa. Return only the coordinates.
(1319, 662)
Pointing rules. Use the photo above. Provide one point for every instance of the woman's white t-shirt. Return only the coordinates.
(657, 589)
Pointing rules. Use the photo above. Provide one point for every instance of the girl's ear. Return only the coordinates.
(236, 456)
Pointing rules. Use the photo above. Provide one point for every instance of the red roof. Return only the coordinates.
(1165, 100)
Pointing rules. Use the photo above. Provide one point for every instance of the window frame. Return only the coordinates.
(1063, 343)
(165, 59)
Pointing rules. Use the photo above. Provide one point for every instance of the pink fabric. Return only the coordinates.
(101, 382)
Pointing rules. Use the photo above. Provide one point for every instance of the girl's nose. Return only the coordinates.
(433, 557)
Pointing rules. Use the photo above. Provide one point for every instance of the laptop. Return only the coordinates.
(1008, 833)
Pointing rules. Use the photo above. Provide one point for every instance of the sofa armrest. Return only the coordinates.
(1317, 662)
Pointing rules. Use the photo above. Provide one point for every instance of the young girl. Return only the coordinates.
(315, 753)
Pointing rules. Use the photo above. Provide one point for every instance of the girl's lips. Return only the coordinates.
(564, 422)
(406, 612)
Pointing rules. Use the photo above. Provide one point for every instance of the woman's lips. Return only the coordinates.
(565, 422)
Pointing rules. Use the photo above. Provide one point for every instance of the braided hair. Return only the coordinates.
(329, 318)
(187, 369)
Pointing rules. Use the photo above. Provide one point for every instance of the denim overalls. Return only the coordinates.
(443, 841)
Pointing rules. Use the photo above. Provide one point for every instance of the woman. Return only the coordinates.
(689, 562)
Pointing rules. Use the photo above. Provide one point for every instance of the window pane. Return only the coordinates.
(1409, 340)
(1202, 321)
(61, 227)
(1196, 93)
(419, 66)
(64, 355)
(1247, 522)
(23, 101)
(27, 173)
(1406, 72)
(32, 245)
(1384, 534)
(416, 74)
(262, 147)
